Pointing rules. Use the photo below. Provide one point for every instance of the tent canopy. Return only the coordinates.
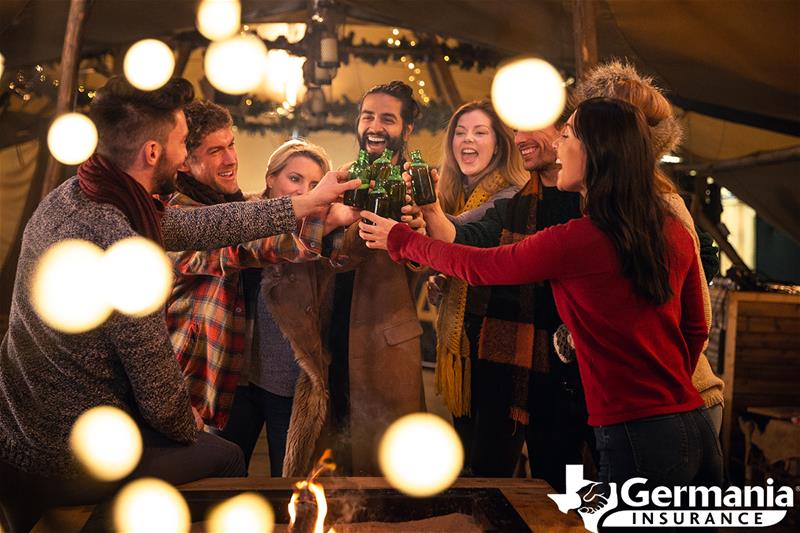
(731, 66)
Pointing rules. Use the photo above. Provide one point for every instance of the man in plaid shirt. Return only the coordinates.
(210, 312)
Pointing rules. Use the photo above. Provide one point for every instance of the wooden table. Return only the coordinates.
(528, 496)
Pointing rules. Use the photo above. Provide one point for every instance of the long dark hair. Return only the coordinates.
(622, 199)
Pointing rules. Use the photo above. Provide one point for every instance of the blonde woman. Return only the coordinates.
(481, 164)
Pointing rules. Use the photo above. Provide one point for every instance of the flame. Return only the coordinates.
(303, 488)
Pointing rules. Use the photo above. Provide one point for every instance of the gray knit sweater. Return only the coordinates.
(48, 378)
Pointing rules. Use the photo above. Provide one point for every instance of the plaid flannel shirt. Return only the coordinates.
(209, 329)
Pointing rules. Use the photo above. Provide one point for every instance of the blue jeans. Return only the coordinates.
(668, 450)
(253, 407)
(674, 449)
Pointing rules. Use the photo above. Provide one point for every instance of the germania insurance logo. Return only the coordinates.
(671, 506)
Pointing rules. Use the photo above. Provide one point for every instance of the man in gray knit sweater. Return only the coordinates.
(48, 378)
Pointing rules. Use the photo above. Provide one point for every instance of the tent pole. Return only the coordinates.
(70, 60)
(585, 36)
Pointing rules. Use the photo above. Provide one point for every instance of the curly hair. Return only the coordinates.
(204, 117)
(126, 117)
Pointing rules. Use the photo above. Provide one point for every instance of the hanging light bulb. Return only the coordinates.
(72, 138)
(219, 19)
(149, 64)
(528, 94)
(234, 66)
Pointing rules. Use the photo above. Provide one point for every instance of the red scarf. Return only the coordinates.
(104, 183)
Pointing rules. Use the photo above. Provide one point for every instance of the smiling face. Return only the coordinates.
(536, 148)
(380, 125)
(572, 157)
(474, 142)
(298, 176)
(214, 162)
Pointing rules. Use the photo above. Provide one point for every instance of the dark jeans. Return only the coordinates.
(25, 497)
(253, 407)
(668, 450)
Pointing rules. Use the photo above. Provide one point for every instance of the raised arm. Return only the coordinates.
(297, 247)
(535, 258)
(206, 228)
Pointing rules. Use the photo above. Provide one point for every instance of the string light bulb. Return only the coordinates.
(72, 138)
(528, 94)
(420, 454)
(137, 275)
(229, 64)
(107, 442)
(218, 20)
(148, 505)
(149, 64)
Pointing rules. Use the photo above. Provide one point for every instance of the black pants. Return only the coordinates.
(557, 432)
(254, 407)
(25, 497)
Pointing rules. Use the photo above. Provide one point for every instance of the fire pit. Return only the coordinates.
(488, 508)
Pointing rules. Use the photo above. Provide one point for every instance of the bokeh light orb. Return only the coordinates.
(137, 276)
(235, 66)
(107, 442)
(72, 138)
(528, 94)
(245, 513)
(65, 292)
(149, 64)
(218, 20)
(149, 505)
(2, 65)
(420, 454)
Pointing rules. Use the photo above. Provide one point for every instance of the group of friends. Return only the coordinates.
(290, 312)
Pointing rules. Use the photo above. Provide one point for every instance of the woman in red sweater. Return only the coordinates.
(626, 282)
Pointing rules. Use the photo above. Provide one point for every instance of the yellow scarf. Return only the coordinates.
(453, 367)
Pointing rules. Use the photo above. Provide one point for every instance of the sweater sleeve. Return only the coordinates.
(206, 228)
(693, 319)
(484, 233)
(300, 246)
(536, 258)
(145, 351)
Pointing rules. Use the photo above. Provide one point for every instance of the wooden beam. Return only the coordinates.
(773, 157)
(184, 50)
(70, 60)
(585, 35)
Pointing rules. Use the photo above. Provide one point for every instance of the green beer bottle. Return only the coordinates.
(382, 167)
(359, 170)
(396, 189)
(421, 183)
(378, 199)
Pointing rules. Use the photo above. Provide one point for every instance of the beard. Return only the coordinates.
(164, 176)
(395, 144)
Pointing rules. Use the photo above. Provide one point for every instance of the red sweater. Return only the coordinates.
(636, 359)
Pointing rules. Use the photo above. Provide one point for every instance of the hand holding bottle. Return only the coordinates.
(375, 230)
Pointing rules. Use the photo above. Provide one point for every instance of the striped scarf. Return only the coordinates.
(453, 366)
(515, 342)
